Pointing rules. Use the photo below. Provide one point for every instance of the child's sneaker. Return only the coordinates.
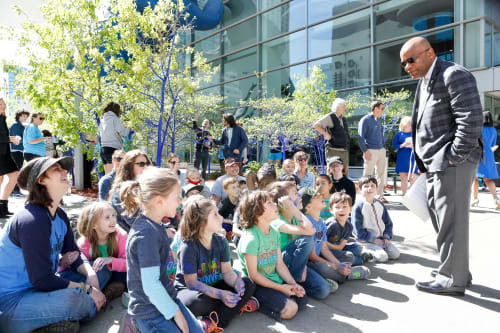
(334, 286)
(366, 256)
(125, 299)
(251, 306)
(127, 325)
(210, 324)
(65, 326)
(359, 273)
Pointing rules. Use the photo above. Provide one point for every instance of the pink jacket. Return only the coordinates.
(117, 264)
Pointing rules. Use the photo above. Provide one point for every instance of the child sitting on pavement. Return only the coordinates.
(228, 205)
(279, 295)
(339, 231)
(322, 260)
(324, 185)
(372, 223)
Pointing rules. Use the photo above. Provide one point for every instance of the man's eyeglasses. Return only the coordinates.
(302, 159)
(142, 164)
(412, 59)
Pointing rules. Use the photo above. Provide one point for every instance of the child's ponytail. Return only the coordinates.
(129, 196)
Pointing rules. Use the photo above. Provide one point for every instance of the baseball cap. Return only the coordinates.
(189, 187)
(307, 194)
(335, 159)
(229, 161)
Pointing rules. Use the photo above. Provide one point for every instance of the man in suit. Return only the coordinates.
(446, 131)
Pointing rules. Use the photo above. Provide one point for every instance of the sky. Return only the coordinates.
(8, 17)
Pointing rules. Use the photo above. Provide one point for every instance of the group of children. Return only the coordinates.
(179, 277)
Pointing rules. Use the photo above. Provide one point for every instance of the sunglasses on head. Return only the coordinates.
(142, 164)
(412, 59)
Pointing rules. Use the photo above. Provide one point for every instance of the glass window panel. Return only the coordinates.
(210, 47)
(472, 8)
(400, 17)
(240, 90)
(239, 36)
(471, 47)
(387, 62)
(341, 34)
(488, 45)
(496, 47)
(283, 51)
(199, 34)
(264, 4)
(282, 83)
(323, 9)
(240, 64)
(283, 19)
(345, 70)
(236, 10)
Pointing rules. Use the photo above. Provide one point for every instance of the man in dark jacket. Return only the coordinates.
(233, 138)
(203, 145)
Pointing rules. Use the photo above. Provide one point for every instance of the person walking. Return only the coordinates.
(487, 169)
(372, 143)
(335, 130)
(446, 132)
(405, 160)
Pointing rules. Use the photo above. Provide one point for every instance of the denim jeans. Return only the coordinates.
(296, 254)
(315, 285)
(30, 309)
(351, 253)
(160, 324)
(104, 275)
(326, 271)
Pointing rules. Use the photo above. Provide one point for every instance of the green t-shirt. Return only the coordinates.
(265, 247)
(325, 213)
(285, 238)
(103, 249)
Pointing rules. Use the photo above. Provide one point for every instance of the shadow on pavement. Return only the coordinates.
(378, 272)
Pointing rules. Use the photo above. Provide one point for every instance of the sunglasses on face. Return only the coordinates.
(41, 118)
(142, 164)
(302, 159)
(173, 162)
(412, 59)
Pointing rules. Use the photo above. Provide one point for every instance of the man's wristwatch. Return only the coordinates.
(89, 290)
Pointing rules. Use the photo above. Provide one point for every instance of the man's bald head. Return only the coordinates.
(418, 56)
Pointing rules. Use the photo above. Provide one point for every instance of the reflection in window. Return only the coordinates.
(240, 64)
(346, 70)
(472, 9)
(471, 45)
(282, 83)
(496, 47)
(400, 17)
(487, 45)
(236, 10)
(283, 19)
(241, 90)
(264, 4)
(210, 47)
(341, 34)
(284, 51)
(387, 63)
(323, 9)
(239, 36)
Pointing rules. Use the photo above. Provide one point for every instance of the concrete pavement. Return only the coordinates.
(388, 301)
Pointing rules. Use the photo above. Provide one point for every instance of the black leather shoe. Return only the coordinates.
(435, 288)
(434, 272)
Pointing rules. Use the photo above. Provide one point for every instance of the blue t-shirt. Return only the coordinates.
(147, 246)
(194, 258)
(335, 233)
(31, 133)
(320, 234)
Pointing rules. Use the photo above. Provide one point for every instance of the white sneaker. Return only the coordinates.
(475, 203)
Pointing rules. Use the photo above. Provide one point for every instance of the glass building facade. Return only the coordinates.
(263, 46)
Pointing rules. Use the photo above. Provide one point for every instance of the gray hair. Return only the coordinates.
(336, 103)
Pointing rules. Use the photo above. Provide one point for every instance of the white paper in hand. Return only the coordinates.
(416, 198)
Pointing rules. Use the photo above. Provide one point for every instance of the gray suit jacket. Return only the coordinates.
(449, 128)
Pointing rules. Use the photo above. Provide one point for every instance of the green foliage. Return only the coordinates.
(254, 166)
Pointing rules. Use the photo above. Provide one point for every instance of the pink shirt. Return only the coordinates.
(117, 264)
